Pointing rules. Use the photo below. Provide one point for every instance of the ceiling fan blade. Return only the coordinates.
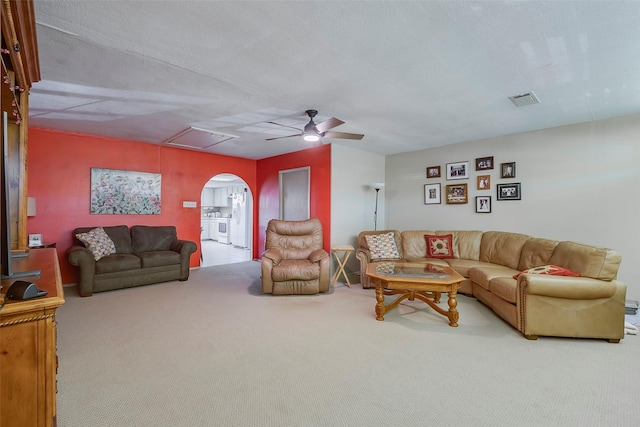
(328, 124)
(282, 137)
(343, 135)
(284, 126)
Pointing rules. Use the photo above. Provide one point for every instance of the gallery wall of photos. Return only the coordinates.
(459, 179)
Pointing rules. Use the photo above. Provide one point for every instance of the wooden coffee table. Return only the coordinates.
(425, 282)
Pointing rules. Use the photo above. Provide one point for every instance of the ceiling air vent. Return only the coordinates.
(524, 99)
(200, 139)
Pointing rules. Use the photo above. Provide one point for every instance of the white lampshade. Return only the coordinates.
(377, 185)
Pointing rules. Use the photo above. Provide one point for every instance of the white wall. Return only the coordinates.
(352, 198)
(579, 182)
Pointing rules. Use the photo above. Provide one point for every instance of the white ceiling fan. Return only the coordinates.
(313, 132)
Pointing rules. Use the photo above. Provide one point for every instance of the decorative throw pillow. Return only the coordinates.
(439, 246)
(98, 242)
(551, 270)
(382, 246)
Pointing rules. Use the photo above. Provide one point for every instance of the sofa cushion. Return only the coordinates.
(121, 238)
(414, 245)
(462, 266)
(502, 248)
(118, 262)
(482, 275)
(505, 287)
(382, 246)
(295, 269)
(536, 252)
(119, 234)
(98, 242)
(466, 243)
(589, 261)
(158, 258)
(152, 238)
(439, 246)
(550, 269)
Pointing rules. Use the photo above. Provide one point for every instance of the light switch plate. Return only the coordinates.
(187, 204)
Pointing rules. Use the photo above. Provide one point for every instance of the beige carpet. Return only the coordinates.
(213, 351)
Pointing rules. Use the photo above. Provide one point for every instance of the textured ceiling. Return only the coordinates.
(408, 75)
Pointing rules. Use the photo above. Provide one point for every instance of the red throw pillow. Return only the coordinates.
(439, 246)
(551, 270)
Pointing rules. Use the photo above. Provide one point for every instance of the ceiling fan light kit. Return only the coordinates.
(314, 133)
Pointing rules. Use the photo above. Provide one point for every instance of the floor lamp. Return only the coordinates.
(376, 186)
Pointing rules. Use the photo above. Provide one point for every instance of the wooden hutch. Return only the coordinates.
(28, 360)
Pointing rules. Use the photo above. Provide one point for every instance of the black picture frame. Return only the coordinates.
(483, 204)
(508, 170)
(509, 191)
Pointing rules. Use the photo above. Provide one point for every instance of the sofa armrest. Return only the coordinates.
(318, 255)
(270, 258)
(274, 255)
(184, 245)
(82, 258)
(185, 248)
(575, 288)
(364, 256)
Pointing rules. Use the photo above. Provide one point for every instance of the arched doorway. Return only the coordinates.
(226, 221)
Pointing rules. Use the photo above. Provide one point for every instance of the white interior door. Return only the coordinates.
(294, 194)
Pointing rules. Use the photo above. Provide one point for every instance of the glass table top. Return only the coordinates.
(427, 271)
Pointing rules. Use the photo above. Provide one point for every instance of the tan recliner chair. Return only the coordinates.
(294, 261)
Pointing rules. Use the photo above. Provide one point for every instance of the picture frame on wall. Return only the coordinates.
(484, 182)
(509, 191)
(123, 192)
(432, 194)
(457, 194)
(458, 170)
(484, 163)
(483, 204)
(433, 172)
(508, 170)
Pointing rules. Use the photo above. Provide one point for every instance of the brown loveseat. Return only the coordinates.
(143, 255)
(588, 306)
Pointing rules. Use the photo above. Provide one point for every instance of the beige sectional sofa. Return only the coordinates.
(588, 306)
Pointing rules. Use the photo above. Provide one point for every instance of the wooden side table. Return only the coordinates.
(43, 246)
(347, 249)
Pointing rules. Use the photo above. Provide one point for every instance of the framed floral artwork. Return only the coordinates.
(118, 192)
(432, 194)
(457, 194)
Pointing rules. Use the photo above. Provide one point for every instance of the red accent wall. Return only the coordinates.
(59, 166)
(268, 196)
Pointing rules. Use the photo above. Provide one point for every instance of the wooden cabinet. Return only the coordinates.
(28, 359)
(20, 70)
